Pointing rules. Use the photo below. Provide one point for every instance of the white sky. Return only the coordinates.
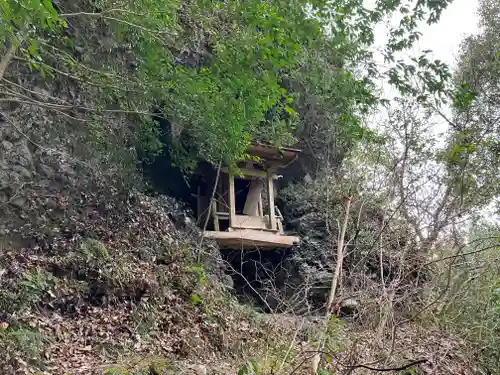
(458, 20)
(444, 38)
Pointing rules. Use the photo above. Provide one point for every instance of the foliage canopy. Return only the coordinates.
(224, 73)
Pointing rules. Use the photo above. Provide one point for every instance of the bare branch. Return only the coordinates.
(335, 279)
(6, 59)
(389, 369)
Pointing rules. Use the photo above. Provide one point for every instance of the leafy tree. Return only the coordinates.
(470, 303)
(475, 135)
(227, 73)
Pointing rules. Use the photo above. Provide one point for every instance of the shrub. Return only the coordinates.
(33, 284)
(470, 290)
(94, 249)
(18, 341)
(250, 367)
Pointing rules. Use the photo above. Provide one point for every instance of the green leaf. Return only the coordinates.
(195, 299)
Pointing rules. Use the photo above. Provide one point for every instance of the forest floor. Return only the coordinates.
(118, 287)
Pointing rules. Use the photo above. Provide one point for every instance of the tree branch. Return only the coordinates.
(462, 254)
(82, 80)
(388, 369)
(6, 59)
(209, 209)
(338, 269)
(154, 33)
(60, 107)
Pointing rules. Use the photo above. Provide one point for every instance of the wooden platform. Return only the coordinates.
(251, 239)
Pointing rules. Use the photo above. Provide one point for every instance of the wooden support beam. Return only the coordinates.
(215, 216)
(270, 195)
(232, 200)
(252, 222)
(251, 239)
(249, 172)
(280, 227)
(198, 202)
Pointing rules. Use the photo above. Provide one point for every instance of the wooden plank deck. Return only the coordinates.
(251, 239)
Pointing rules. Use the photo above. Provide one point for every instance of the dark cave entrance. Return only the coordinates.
(163, 177)
(264, 279)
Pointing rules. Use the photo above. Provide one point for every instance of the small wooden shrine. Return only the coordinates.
(242, 213)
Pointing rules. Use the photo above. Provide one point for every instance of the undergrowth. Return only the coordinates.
(125, 298)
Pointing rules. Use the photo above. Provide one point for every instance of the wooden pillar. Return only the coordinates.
(270, 197)
(214, 215)
(232, 200)
(260, 207)
(198, 203)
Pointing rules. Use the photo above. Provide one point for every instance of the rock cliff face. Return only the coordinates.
(16, 166)
(51, 187)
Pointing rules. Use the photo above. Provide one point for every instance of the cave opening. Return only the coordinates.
(263, 279)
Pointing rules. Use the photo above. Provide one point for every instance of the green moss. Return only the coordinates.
(199, 272)
(115, 371)
(161, 366)
(94, 249)
(195, 299)
(22, 342)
